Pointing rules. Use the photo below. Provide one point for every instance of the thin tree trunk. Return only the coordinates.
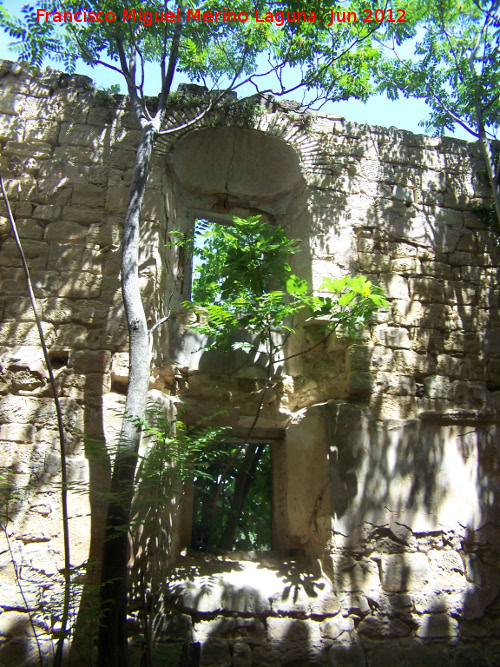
(242, 485)
(112, 646)
(489, 158)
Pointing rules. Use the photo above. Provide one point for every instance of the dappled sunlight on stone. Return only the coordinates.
(384, 447)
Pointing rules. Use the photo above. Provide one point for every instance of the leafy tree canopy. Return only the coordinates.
(334, 61)
(455, 69)
(245, 281)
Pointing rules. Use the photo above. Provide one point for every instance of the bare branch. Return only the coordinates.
(172, 63)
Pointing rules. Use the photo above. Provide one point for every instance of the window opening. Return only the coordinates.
(232, 502)
(203, 291)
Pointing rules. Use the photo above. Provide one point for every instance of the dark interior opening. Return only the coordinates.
(58, 358)
(232, 503)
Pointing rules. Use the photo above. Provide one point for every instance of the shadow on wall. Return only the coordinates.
(67, 220)
(270, 611)
(413, 562)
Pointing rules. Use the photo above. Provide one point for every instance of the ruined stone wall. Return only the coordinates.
(385, 462)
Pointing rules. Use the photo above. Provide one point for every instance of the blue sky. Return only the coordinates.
(403, 113)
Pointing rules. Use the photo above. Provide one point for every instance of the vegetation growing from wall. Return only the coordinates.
(333, 63)
(244, 283)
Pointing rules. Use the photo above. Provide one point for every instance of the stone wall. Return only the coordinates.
(385, 462)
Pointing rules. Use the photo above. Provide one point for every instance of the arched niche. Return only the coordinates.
(216, 173)
(245, 163)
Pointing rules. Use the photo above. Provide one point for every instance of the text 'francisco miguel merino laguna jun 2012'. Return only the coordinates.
(147, 18)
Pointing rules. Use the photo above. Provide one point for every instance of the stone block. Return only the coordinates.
(11, 128)
(405, 572)
(71, 336)
(24, 333)
(347, 656)
(117, 200)
(458, 342)
(395, 384)
(462, 258)
(394, 337)
(57, 311)
(394, 286)
(459, 293)
(432, 656)
(23, 209)
(408, 362)
(47, 213)
(80, 285)
(87, 311)
(215, 652)
(87, 361)
(393, 406)
(438, 626)
(29, 229)
(361, 383)
(364, 357)
(472, 394)
(36, 253)
(17, 432)
(105, 235)
(426, 290)
(406, 265)
(437, 386)
(453, 367)
(448, 570)
(11, 103)
(79, 134)
(241, 655)
(379, 627)
(27, 149)
(355, 574)
(289, 629)
(494, 373)
(436, 269)
(426, 340)
(432, 602)
(47, 131)
(91, 196)
(66, 256)
(82, 214)
(67, 231)
(472, 656)
(384, 656)
(402, 250)
(332, 628)
(434, 181)
(373, 262)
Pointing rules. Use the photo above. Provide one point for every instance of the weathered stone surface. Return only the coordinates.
(438, 626)
(381, 628)
(437, 386)
(347, 656)
(405, 572)
(399, 452)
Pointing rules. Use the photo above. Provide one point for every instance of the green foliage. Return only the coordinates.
(241, 114)
(456, 65)
(487, 214)
(353, 302)
(175, 446)
(213, 498)
(232, 288)
(333, 62)
(245, 282)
